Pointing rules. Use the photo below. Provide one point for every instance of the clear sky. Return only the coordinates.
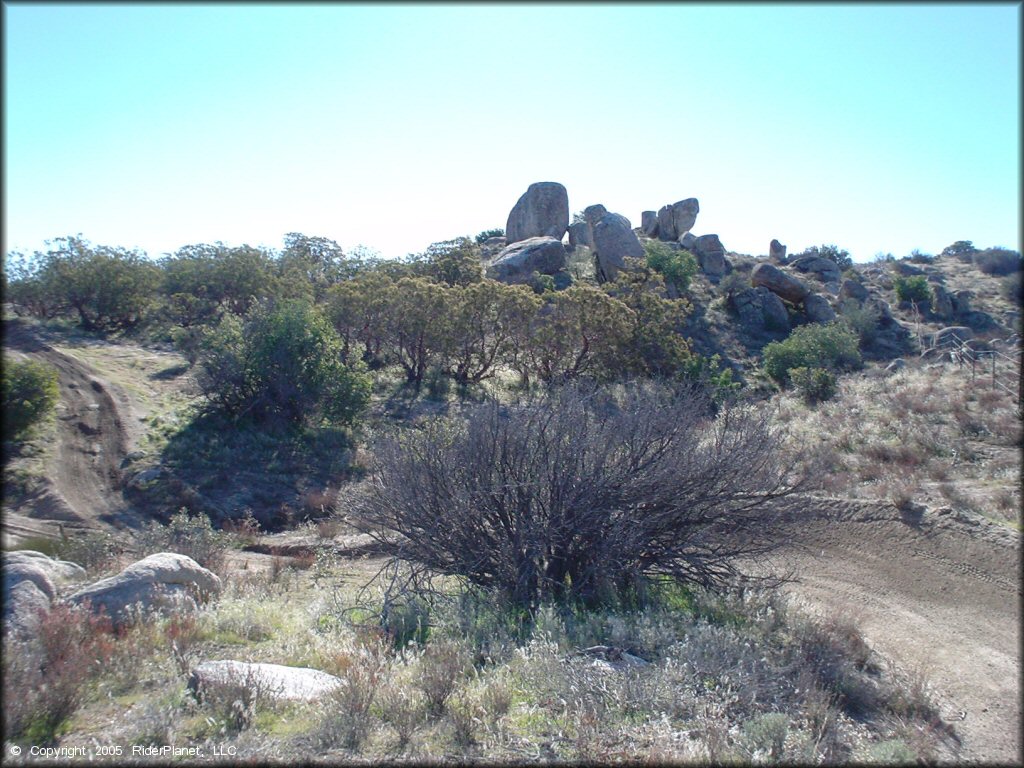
(877, 127)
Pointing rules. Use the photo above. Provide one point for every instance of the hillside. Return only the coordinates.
(259, 391)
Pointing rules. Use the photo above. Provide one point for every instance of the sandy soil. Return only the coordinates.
(940, 596)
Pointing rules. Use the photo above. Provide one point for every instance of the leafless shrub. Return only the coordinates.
(347, 717)
(45, 678)
(580, 493)
(402, 711)
(441, 665)
(465, 717)
(233, 703)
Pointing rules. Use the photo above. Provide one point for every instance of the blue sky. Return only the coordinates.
(880, 128)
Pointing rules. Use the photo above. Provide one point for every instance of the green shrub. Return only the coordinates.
(833, 347)
(814, 384)
(863, 320)
(489, 233)
(914, 289)
(30, 393)
(677, 267)
(892, 752)
(281, 363)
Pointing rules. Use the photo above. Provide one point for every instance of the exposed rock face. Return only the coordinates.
(818, 309)
(518, 261)
(164, 582)
(962, 302)
(678, 218)
(824, 269)
(542, 211)
(851, 289)
(942, 303)
(760, 309)
(777, 252)
(25, 606)
(272, 681)
(778, 282)
(18, 572)
(579, 234)
(710, 256)
(28, 592)
(688, 241)
(951, 334)
(649, 223)
(614, 242)
(979, 321)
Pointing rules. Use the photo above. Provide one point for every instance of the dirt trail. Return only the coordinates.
(941, 596)
(84, 487)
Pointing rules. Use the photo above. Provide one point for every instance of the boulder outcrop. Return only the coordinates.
(760, 309)
(777, 252)
(542, 211)
(649, 223)
(824, 269)
(164, 582)
(614, 242)
(516, 262)
(778, 282)
(818, 309)
(677, 219)
(710, 255)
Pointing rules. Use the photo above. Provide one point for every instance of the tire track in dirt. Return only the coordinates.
(932, 596)
(84, 478)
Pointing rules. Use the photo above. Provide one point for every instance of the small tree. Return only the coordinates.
(579, 494)
(487, 234)
(30, 393)
(282, 363)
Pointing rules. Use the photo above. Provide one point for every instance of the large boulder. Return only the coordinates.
(28, 593)
(942, 303)
(649, 223)
(777, 252)
(952, 334)
(677, 219)
(614, 242)
(518, 261)
(164, 583)
(542, 211)
(824, 269)
(25, 607)
(710, 255)
(269, 681)
(818, 309)
(579, 234)
(760, 309)
(852, 290)
(778, 282)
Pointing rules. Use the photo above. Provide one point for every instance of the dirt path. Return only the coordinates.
(84, 487)
(941, 596)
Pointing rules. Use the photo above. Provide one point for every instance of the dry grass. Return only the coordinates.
(925, 435)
